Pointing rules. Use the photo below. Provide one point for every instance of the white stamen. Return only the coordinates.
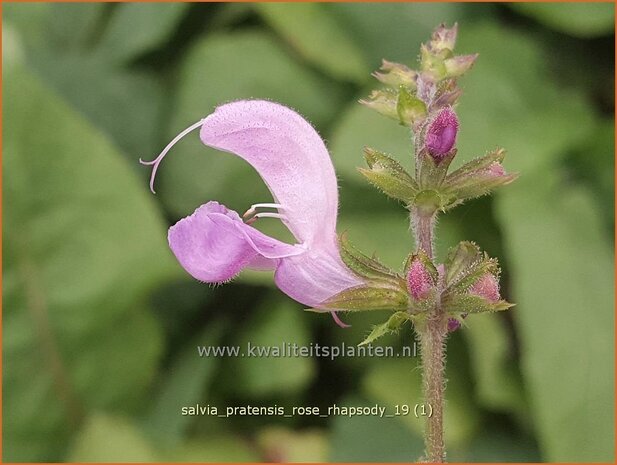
(158, 159)
(252, 219)
(280, 216)
(254, 208)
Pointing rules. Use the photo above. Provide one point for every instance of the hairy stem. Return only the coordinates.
(423, 226)
(432, 339)
(432, 335)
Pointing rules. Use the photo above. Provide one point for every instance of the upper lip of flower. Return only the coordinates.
(214, 244)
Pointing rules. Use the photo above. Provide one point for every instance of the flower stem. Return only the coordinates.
(432, 339)
(432, 334)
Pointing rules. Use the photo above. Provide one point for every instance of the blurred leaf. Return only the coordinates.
(497, 386)
(359, 127)
(398, 381)
(589, 19)
(562, 267)
(78, 259)
(496, 444)
(107, 438)
(29, 20)
(318, 37)
(594, 163)
(393, 30)
(125, 105)
(372, 439)
(136, 28)
(223, 68)
(12, 47)
(281, 445)
(389, 237)
(214, 448)
(275, 324)
(72, 27)
(511, 101)
(182, 385)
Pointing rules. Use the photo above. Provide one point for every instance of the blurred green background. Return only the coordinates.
(101, 324)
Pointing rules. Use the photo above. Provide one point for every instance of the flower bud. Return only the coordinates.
(384, 102)
(443, 38)
(459, 65)
(453, 324)
(419, 280)
(496, 170)
(486, 287)
(441, 134)
(396, 74)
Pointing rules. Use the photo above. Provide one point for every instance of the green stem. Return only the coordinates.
(432, 335)
(432, 339)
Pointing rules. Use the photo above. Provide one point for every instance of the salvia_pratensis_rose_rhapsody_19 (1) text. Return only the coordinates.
(322, 270)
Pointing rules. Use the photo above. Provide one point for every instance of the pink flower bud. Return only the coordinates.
(487, 287)
(443, 38)
(441, 134)
(496, 170)
(419, 280)
(454, 324)
(460, 64)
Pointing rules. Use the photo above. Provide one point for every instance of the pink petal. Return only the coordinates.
(214, 245)
(315, 276)
(290, 157)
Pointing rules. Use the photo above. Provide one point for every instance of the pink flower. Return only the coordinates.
(441, 134)
(419, 280)
(214, 244)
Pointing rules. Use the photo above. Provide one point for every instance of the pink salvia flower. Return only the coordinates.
(441, 134)
(214, 244)
(487, 287)
(419, 280)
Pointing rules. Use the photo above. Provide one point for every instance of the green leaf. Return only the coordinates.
(512, 101)
(136, 28)
(589, 19)
(561, 263)
(182, 385)
(369, 297)
(213, 448)
(372, 439)
(466, 303)
(73, 26)
(276, 323)
(126, 105)
(318, 37)
(398, 382)
(363, 265)
(106, 438)
(389, 176)
(383, 134)
(78, 260)
(216, 70)
(459, 258)
(394, 31)
(497, 385)
(391, 326)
